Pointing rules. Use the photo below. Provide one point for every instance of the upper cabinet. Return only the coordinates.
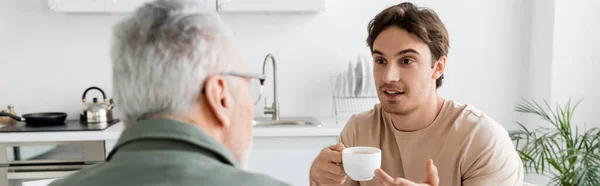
(82, 6)
(123, 6)
(270, 6)
(108, 6)
(222, 6)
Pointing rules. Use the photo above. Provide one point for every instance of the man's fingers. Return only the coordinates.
(387, 180)
(337, 170)
(327, 169)
(384, 177)
(337, 147)
(381, 183)
(431, 171)
(333, 172)
(432, 174)
(329, 181)
(329, 155)
(328, 177)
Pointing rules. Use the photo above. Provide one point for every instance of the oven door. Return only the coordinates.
(15, 176)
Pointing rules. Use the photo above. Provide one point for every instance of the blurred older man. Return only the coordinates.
(181, 87)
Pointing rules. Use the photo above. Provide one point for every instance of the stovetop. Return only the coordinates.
(69, 125)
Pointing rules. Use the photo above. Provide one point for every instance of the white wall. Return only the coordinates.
(49, 59)
(540, 65)
(487, 63)
(564, 59)
(576, 58)
(542, 33)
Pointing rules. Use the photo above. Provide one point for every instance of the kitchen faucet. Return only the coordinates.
(274, 109)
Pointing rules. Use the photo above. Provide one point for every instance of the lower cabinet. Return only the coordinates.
(109, 145)
(287, 158)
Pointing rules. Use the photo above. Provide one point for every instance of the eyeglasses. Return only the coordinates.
(257, 83)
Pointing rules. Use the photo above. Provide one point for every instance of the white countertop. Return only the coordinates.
(329, 128)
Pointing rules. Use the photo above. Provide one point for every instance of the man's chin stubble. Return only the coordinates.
(392, 109)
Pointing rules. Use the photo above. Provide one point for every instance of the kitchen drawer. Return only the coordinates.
(51, 152)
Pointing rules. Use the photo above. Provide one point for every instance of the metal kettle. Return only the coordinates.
(96, 112)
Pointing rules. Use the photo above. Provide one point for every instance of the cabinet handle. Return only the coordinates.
(223, 4)
(53, 4)
(38, 175)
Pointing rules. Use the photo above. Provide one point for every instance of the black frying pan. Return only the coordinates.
(40, 119)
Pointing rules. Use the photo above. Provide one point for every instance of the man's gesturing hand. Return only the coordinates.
(431, 180)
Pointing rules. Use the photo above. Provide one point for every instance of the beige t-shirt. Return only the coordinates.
(466, 145)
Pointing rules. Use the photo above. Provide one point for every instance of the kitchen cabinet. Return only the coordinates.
(126, 6)
(123, 5)
(76, 6)
(108, 146)
(109, 6)
(221, 6)
(287, 158)
(270, 6)
(62, 158)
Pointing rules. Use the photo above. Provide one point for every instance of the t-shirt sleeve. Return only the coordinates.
(492, 158)
(347, 137)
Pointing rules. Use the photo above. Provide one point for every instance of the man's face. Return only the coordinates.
(242, 115)
(402, 71)
(231, 101)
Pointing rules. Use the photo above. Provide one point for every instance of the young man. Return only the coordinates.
(413, 126)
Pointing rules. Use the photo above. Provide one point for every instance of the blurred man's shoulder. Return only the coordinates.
(171, 174)
(249, 178)
(81, 177)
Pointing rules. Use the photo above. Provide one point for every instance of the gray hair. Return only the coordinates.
(162, 55)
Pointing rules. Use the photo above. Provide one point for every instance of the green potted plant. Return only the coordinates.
(559, 150)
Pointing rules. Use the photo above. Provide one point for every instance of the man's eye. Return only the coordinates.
(407, 61)
(380, 61)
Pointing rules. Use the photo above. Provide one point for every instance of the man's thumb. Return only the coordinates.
(432, 174)
(337, 147)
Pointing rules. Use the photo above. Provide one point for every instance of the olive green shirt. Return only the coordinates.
(164, 152)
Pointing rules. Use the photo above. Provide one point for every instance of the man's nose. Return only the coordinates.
(391, 73)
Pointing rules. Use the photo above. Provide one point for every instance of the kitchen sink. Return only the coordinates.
(286, 122)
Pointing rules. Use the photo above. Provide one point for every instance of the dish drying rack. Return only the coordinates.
(346, 101)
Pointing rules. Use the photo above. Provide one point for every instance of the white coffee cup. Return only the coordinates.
(360, 163)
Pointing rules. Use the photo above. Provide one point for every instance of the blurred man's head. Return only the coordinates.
(167, 62)
(409, 47)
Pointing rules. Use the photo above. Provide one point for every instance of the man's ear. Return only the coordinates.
(439, 67)
(218, 99)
